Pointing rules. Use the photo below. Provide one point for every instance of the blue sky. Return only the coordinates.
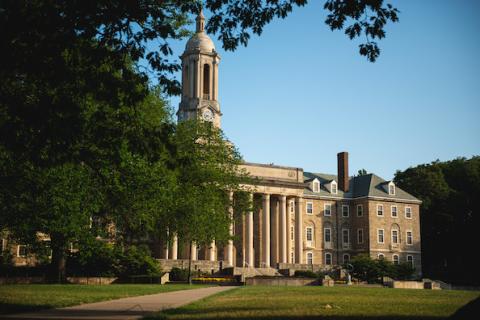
(299, 93)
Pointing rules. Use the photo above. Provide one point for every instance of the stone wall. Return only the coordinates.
(281, 281)
(197, 265)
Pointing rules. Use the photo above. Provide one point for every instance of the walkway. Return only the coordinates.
(123, 309)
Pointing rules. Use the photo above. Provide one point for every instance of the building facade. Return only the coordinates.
(305, 218)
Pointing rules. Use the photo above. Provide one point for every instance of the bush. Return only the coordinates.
(306, 274)
(177, 274)
(367, 269)
(99, 259)
(135, 261)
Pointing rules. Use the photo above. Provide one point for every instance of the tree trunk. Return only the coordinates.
(59, 260)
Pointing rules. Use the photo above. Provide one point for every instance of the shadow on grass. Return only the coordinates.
(7, 308)
(469, 311)
(212, 313)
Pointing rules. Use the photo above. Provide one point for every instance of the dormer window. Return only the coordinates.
(332, 187)
(315, 185)
(391, 188)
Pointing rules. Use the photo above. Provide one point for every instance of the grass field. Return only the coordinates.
(324, 303)
(17, 298)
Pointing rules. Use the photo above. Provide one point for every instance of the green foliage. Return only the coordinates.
(177, 274)
(306, 274)
(137, 260)
(450, 216)
(207, 170)
(97, 258)
(367, 269)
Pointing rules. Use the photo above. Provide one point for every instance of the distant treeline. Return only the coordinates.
(450, 217)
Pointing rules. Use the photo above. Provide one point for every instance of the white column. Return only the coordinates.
(174, 255)
(212, 251)
(298, 230)
(230, 231)
(249, 242)
(193, 251)
(266, 230)
(283, 229)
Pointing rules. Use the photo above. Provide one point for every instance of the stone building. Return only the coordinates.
(306, 219)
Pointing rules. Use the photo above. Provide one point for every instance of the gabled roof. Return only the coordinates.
(369, 185)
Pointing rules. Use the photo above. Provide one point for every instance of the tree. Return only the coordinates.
(362, 172)
(207, 167)
(57, 201)
(449, 216)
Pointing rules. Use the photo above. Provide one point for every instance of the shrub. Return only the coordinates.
(177, 274)
(136, 261)
(367, 269)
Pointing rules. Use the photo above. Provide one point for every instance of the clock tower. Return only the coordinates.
(200, 78)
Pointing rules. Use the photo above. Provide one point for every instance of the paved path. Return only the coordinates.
(123, 309)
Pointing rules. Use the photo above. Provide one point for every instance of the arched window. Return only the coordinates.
(396, 259)
(206, 81)
(381, 256)
(346, 258)
(328, 259)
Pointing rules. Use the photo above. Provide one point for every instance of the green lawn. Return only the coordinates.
(16, 298)
(311, 303)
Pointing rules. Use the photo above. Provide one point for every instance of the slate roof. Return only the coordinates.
(369, 185)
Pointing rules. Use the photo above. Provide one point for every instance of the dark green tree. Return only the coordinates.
(449, 216)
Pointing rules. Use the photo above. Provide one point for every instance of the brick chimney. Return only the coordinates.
(342, 158)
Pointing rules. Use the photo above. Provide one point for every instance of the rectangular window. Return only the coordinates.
(408, 212)
(310, 208)
(328, 235)
(359, 236)
(409, 238)
(359, 210)
(21, 251)
(410, 261)
(309, 258)
(394, 236)
(334, 188)
(316, 186)
(394, 211)
(309, 234)
(292, 257)
(380, 238)
(327, 210)
(380, 210)
(346, 236)
(345, 211)
(328, 259)
(292, 206)
(292, 233)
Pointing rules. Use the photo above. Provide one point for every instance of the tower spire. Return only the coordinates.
(200, 21)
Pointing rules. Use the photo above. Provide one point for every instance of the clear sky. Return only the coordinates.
(299, 93)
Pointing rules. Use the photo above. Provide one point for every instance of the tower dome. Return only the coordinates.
(200, 41)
